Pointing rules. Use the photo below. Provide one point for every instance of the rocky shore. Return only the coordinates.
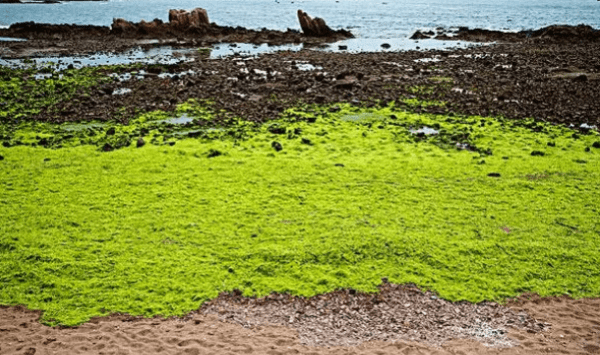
(549, 74)
(186, 28)
(555, 83)
(551, 34)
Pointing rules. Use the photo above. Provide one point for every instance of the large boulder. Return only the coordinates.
(185, 19)
(313, 27)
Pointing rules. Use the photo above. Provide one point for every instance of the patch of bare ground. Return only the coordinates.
(397, 320)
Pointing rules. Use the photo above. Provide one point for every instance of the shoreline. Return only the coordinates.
(273, 323)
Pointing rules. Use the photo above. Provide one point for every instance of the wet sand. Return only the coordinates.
(570, 327)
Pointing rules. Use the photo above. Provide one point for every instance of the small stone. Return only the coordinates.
(213, 153)
(140, 142)
(494, 174)
(386, 45)
(277, 146)
(343, 48)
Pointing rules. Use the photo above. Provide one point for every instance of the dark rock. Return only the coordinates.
(419, 35)
(386, 45)
(213, 153)
(276, 129)
(107, 147)
(140, 142)
(346, 84)
(313, 27)
(342, 48)
(494, 174)
(277, 146)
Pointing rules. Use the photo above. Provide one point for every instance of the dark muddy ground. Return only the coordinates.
(549, 79)
(556, 83)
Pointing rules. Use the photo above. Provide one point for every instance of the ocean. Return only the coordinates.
(367, 19)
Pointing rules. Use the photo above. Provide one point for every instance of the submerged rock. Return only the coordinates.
(419, 35)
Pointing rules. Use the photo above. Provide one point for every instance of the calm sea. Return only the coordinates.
(381, 19)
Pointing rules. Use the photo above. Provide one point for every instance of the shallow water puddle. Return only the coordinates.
(11, 39)
(181, 120)
(362, 117)
(424, 131)
(122, 91)
(77, 127)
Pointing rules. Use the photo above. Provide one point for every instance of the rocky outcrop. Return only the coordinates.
(32, 30)
(184, 19)
(180, 22)
(184, 27)
(550, 34)
(313, 27)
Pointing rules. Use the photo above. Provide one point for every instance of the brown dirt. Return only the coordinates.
(569, 327)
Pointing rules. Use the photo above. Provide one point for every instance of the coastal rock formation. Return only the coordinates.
(179, 21)
(550, 34)
(123, 27)
(184, 19)
(184, 28)
(313, 27)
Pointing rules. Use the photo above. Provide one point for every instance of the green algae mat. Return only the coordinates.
(325, 198)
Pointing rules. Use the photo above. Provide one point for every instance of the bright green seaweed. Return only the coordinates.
(351, 197)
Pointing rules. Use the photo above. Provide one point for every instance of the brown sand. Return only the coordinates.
(574, 328)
